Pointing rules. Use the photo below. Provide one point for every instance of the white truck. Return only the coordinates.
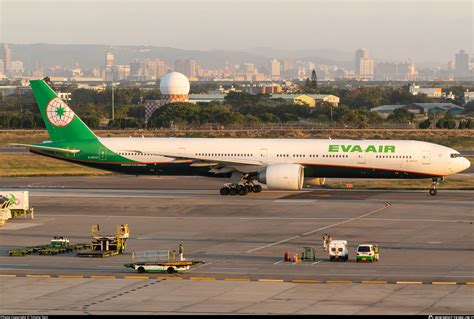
(338, 250)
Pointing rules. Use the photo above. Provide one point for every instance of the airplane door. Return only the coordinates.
(426, 158)
(182, 151)
(361, 158)
(102, 154)
(263, 155)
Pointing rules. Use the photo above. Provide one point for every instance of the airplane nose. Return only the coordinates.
(466, 163)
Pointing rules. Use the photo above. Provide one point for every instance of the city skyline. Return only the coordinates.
(390, 30)
(152, 66)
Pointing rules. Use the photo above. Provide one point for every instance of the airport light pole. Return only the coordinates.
(113, 96)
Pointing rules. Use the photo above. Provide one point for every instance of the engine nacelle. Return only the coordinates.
(282, 176)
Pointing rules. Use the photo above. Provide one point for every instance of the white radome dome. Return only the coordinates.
(174, 83)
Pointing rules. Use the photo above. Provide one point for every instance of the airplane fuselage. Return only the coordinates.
(320, 157)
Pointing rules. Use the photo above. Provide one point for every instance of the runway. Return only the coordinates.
(423, 239)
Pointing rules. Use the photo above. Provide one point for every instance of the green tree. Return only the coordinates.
(425, 124)
(402, 116)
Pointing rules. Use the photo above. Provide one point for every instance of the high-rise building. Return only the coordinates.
(17, 68)
(2, 72)
(288, 64)
(109, 66)
(179, 66)
(249, 71)
(161, 69)
(275, 69)
(190, 68)
(136, 70)
(461, 71)
(7, 60)
(122, 72)
(364, 66)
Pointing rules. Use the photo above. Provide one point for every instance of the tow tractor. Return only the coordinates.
(160, 261)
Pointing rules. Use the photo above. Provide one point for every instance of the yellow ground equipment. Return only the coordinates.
(105, 246)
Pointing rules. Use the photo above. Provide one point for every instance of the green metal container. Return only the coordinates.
(308, 254)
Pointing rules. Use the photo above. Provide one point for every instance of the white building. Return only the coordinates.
(276, 70)
(174, 87)
(468, 96)
(364, 66)
(434, 92)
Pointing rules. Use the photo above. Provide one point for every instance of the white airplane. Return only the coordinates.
(281, 164)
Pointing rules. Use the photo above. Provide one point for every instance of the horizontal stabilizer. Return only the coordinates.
(48, 148)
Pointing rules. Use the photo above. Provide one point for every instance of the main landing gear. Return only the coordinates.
(241, 189)
(434, 184)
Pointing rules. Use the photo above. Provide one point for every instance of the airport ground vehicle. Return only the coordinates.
(14, 204)
(367, 252)
(57, 245)
(338, 250)
(159, 261)
(106, 246)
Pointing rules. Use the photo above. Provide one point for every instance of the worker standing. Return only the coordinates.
(376, 252)
(325, 242)
(181, 252)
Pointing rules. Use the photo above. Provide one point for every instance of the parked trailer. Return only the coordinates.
(58, 245)
(159, 261)
(18, 203)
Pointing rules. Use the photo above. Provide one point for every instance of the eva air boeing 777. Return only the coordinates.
(281, 164)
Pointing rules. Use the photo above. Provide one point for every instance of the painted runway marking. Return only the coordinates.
(234, 268)
(317, 262)
(296, 201)
(10, 226)
(276, 263)
(387, 205)
(259, 218)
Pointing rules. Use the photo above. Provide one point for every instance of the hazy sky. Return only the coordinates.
(422, 30)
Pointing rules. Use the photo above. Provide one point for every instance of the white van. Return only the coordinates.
(338, 250)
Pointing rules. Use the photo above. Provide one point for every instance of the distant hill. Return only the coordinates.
(48, 55)
(88, 56)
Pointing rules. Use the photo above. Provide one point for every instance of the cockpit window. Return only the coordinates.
(454, 155)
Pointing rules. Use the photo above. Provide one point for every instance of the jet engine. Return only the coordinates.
(282, 176)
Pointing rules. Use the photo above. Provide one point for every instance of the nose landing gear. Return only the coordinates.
(434, 184)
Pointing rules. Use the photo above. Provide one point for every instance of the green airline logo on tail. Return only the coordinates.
(58, 113)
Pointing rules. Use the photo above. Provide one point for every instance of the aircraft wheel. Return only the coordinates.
(257, 189)
(225, 190)
(243, 191)
(233, 191)
(433, 191)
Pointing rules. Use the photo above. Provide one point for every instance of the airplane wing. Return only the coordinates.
(199, 160)
(48, 148)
